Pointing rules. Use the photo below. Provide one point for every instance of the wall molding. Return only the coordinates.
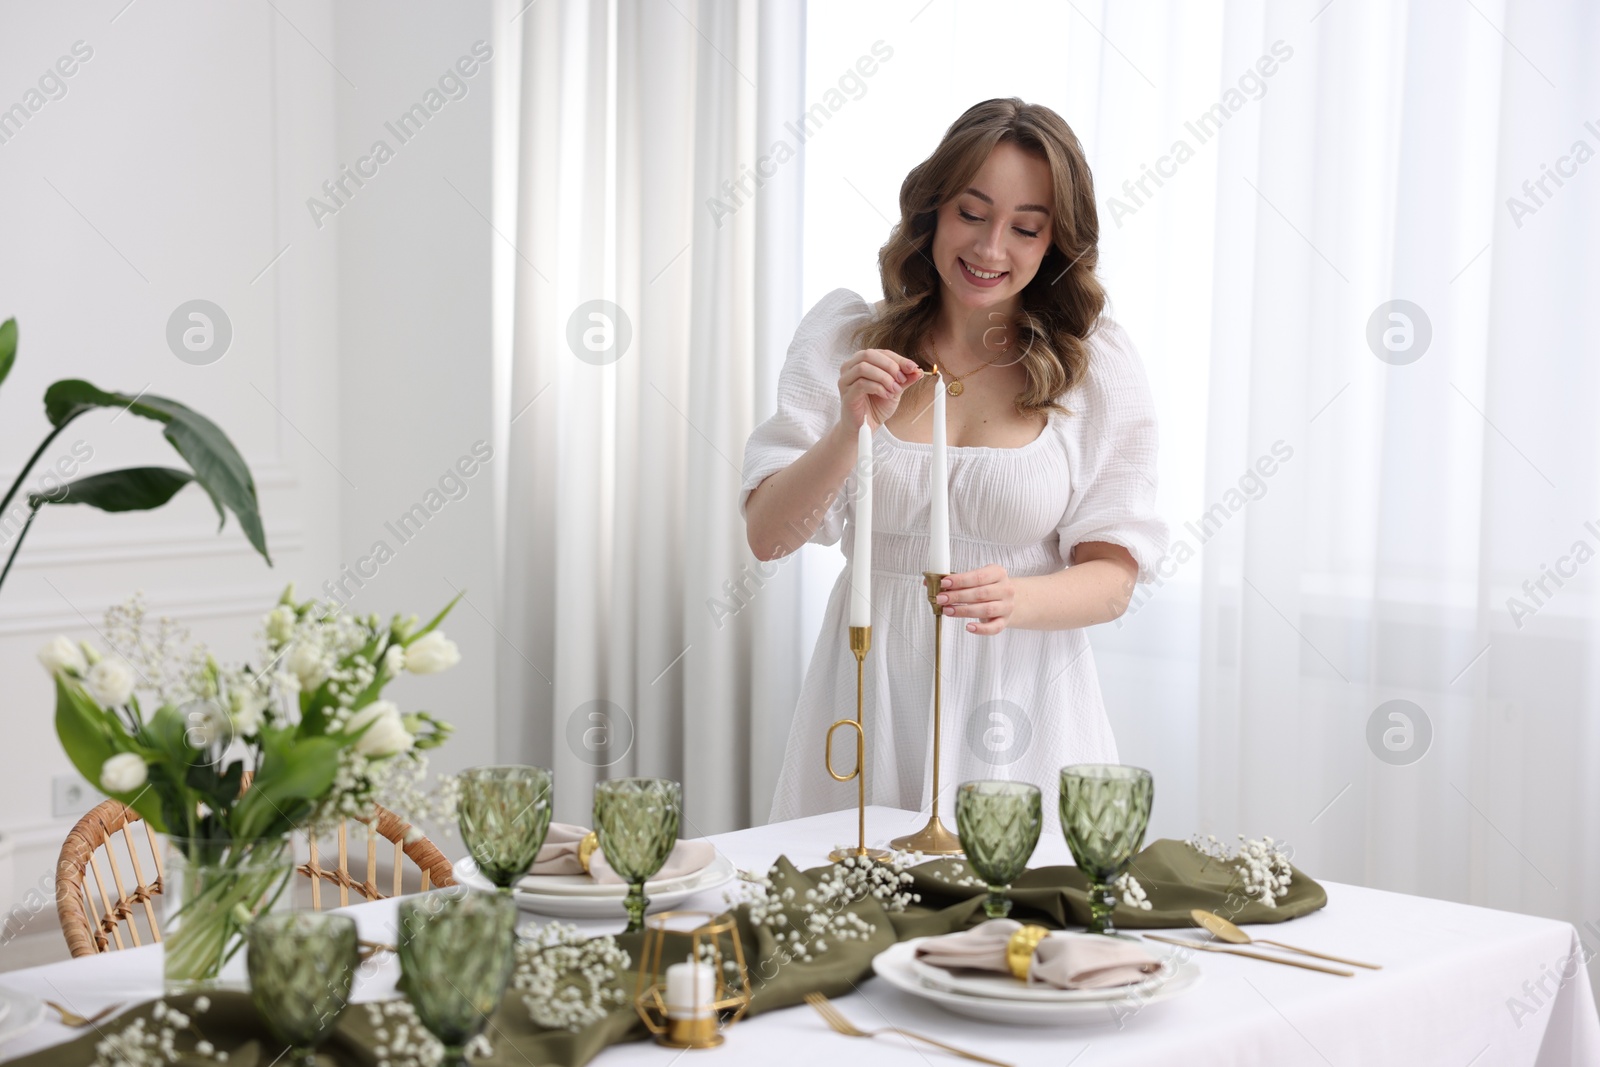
(72, 550)
(253, 601)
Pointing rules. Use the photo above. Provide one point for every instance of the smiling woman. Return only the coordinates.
(990, 277)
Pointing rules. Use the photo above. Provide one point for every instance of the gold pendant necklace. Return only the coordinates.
(955, 388)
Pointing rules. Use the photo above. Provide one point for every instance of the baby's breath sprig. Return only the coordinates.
(402, 1040)
(1132, 892)
(804, 924)
(568, 980)
(140, 1045)
(1262, 864)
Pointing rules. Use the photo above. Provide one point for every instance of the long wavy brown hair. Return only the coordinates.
(1058, 309)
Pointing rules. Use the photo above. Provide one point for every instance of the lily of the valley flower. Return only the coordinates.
(431, 653)
(386, 736)
(62, 655)
(123, 773)
(110, 682)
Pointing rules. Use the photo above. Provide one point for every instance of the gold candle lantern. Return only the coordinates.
(682, 1006)
(934, 839)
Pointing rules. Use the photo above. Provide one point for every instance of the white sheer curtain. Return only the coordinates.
(628, 117)
(1443, 450)
(1268, 177)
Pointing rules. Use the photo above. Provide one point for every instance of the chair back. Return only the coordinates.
(105, 890)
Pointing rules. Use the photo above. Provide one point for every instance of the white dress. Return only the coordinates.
(1017, 705)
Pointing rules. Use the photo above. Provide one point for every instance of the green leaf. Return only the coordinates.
(433, 623)
(66, 400)
(131, 489)
(90, 736)
(217, 465)
(294, 772)
(8, 347)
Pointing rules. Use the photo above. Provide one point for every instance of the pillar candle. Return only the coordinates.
(690, 990)
(939, 531)
(861, 559)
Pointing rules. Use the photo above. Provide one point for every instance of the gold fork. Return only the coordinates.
(835, 1019)
(72, 1018)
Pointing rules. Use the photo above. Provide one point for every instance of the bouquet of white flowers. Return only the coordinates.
(309, 727)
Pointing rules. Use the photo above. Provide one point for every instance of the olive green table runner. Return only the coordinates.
(1175, 878)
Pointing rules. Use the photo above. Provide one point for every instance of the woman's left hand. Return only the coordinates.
(986, 595)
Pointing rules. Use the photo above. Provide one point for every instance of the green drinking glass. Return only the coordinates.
(636, 820)
(504, 813)
(1105, 808)
(999, 826)
(301, 967)
(455, 960)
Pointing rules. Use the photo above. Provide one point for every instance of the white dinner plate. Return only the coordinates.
(1005, 987)
(608, 905)
(581, 885)
(893, 965)
(18, 1013)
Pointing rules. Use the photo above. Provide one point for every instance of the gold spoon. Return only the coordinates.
(1226, 931)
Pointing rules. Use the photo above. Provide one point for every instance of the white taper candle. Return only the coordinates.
(939, 525)
(861, 559)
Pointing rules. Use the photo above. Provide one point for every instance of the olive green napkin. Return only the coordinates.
(1174, 876)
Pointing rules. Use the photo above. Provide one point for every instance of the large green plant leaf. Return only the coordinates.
(131, 489)
(90, 736)
(217, 465)
(8, 347)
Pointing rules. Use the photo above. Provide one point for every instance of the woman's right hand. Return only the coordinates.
(871, 383)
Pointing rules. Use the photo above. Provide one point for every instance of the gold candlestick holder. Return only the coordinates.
(860, 644)
(934, 839)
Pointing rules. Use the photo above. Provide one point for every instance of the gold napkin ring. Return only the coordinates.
(586, 847)
(1019, 949)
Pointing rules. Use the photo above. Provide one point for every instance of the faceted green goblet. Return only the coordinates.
(504, 814)
(999, 826)
(301, 967)
(1105, 808)
(455, 960)
(636, 820)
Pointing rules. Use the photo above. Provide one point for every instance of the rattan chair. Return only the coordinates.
(93, 919)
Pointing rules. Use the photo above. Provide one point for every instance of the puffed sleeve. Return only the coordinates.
(808, 402)
(1112, 444)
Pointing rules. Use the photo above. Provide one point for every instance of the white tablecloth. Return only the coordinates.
(1449, 992)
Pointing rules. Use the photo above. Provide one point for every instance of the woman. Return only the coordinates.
(1051, 443)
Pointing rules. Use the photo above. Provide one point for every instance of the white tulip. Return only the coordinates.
(305, 663)
(394, 660)
(431, 653)
(280, 624)
(387, 735)
(62, 655)
(123, 773)
(110, 682)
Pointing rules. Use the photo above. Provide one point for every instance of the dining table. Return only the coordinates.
(1459, 986)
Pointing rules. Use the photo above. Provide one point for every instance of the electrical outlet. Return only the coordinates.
(71, 795)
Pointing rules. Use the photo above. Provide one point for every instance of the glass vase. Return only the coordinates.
(210, 892)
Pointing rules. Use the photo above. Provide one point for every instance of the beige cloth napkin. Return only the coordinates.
(1064, 962)
(559, 855)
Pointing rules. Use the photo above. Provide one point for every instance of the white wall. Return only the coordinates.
(177, 166)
